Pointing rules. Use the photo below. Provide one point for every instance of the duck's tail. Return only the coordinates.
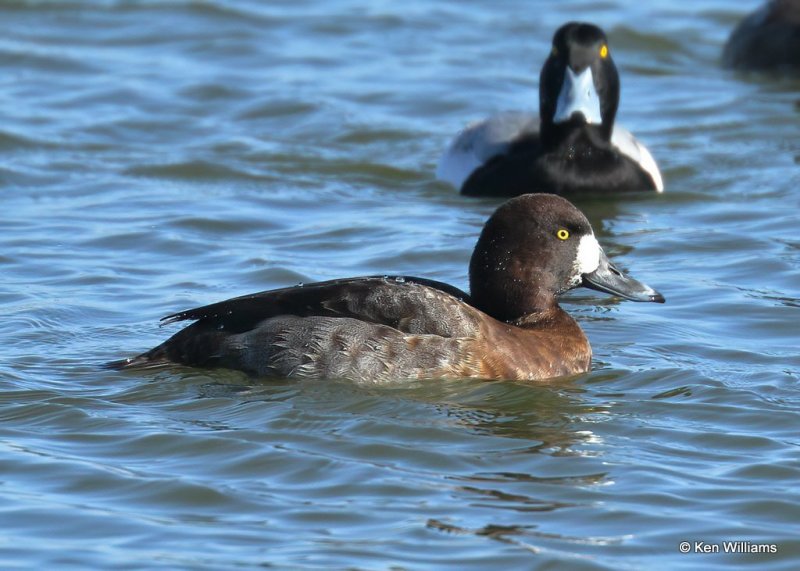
(196, 346)
(153, 359)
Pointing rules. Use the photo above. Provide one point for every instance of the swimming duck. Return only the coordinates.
(573, 146)
(767, 39)
(377, 329)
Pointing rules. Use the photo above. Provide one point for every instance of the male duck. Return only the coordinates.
(767, 39)
(572, 147)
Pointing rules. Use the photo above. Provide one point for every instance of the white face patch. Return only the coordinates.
(588, 258)
(578, 95)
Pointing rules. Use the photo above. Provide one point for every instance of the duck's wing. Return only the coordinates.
(370, 327)
(409, 304)
(517, 133)
(481, 141)
(635, 150)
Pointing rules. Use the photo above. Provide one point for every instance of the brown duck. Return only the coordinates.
(379, 329)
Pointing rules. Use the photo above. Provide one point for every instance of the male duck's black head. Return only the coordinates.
(535, 247)
(579, 83)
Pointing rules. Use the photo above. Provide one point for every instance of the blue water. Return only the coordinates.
(161, 155)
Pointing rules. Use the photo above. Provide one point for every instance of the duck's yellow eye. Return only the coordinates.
(562, 234)
(604, 51)
(554, 52)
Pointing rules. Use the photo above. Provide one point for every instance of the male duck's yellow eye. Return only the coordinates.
(604, 51)
(562, 234)
(554, 52)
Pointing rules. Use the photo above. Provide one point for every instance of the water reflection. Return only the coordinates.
(548, 417)
(543, 415)
(518, 534)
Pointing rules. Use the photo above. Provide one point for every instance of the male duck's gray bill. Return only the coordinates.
(608, 279)
(578, 95)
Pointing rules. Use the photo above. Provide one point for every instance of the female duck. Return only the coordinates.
(572, 147)
(377, 329)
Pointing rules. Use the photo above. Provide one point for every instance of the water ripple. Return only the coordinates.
(161, 155)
